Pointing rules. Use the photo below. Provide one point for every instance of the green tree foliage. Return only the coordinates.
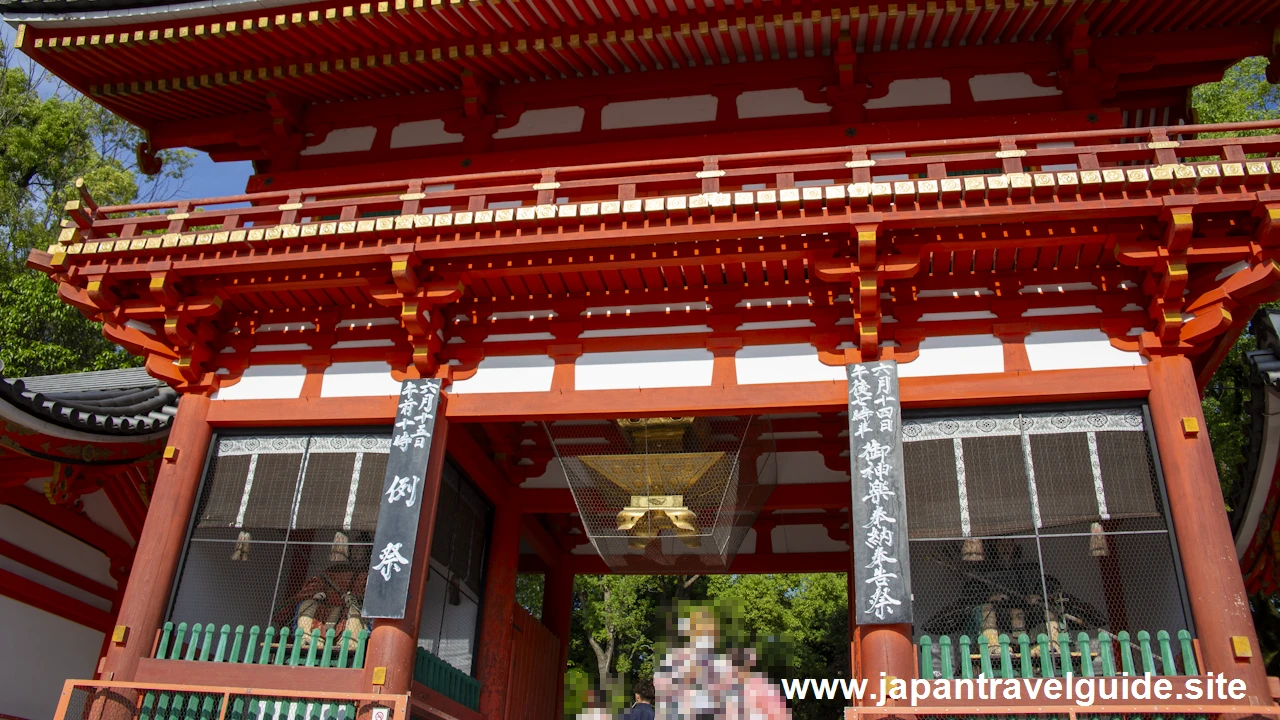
(50, 136)
(1243, 95)
(798, 626)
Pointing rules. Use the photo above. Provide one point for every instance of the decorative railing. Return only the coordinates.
(1104, 655)
(1048, 711)
(680, 193)
(273, 646)
(446, 679)
(82, 699)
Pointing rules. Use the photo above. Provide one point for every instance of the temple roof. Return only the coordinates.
(1256, 499)
(1264, 363)
(68, 6)
(125, 402)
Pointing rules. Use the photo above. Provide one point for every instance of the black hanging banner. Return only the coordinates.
(881, 565)
(387, 589)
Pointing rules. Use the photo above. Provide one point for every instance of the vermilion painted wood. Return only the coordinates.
(557, 615)
(78, 526)
(476, 463)
(56, 571)
(948, 391)
(278, 677)
(39, 596)
(531, 687)
(1219, 603)
(142, 605)
(745, 563)
(884, 650)
(435, 706)
(495, 645)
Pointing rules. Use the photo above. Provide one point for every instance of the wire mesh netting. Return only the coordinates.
(667, 494)
(283, 535)
(1038, 523)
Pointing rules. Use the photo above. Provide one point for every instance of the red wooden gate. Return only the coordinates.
(536, 675)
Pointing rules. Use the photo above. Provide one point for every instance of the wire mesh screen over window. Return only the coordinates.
(451, 603)
(667, 494)
(283, 532)
(1038, 523)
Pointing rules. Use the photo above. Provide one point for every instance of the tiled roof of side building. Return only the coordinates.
(125, 403)
(78, 6)
(1263, 366)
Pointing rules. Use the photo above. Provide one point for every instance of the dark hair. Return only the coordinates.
(644, 688)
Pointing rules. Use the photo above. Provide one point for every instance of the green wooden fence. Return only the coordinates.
(271, 647)
(205, 706)
(1105, 655)
(446, 679)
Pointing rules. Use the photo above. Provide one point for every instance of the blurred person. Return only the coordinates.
(642, 709)
(595, 707)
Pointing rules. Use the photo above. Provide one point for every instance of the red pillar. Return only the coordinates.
(557, 614)
(155, 562)
(1219, 603)
(393, 644)
(885, 649)
(494, 666)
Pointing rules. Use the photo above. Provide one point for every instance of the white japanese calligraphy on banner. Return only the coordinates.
(404, 495)
(879, 518)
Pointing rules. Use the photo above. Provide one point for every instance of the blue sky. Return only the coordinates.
(210, 179)
(206, 178)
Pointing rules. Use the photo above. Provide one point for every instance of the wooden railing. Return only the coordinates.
(270, 647)
(1105, 655)
(1047, 711)
(99, 700)
(929, 176)
(446, 679)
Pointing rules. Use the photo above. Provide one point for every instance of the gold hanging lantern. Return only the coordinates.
(656, 478)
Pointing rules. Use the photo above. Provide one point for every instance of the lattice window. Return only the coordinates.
(1046, 522)
(283, 532)
(451, 603)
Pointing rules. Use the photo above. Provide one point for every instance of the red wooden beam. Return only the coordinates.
(747, 564)
(38, 596)
(542, 542)
(56, 571)
(72, 523)
(465, 451)
(122, 491)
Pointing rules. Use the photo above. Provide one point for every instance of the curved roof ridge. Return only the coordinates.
(126, 402)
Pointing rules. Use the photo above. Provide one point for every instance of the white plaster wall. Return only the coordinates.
(357, 139)
(51, 543)
(660, 111)
(915, 92)
(1072, 349)
(421, 133)
(520, 373)
(961, 355)
(548, 121)
(647, 369)
(1007, 86)
(358, 379)
(40, 651)
(554, 477)
(266, 382)
(777, 103)
(759, 364)
(100, 510)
